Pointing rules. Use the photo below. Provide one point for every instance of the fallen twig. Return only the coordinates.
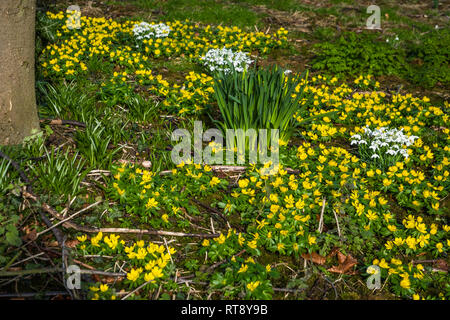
(337, 223)
(69, 218)
(321, 216)
(63, 122)
(215, 265)
(138, 288)
(33, 294)
(72, 225)
(211, 209)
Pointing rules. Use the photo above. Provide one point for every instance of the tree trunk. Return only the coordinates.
(18, 114)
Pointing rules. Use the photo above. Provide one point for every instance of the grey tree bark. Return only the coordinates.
(18, 113)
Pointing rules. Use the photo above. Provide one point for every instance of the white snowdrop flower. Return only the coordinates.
(391, 152)
(373, 147)
(146, 30)
(388, 141)
(219, 59)
(375, 156)
(286, 72)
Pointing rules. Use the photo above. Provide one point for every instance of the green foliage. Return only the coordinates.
(430, 59)
(4, 166)
(253, 283)
(9, 234)
(358, 53)
(259, 99)
(60, 173)
(65, 101)
(93, 144)
(424, 61)
(203, 11)
(141, 110)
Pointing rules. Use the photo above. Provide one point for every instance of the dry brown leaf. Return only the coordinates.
(71, 243)
(345, 264)
(14, 268)
(30, 235)
(341, 257)
(333, 252)
(52, 243)
(441, 264)
(110, 280)
(314, 257)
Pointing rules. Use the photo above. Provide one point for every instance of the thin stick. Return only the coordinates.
(72, 225)
(138, 288)
(212, 225)
(26, 259)
(337, 223)
(32, 294)
(288, 290)
(27, 272)
(62, 122)
(167, 247)
(321, 216)
(224, 168)
(69, 218)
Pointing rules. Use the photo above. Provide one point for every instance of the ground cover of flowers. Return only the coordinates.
(365, 185)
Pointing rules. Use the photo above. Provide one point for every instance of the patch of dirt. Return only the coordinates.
(92, 8)
(90, 11)
(295, 21)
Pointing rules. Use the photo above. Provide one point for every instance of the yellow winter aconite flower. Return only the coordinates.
(214, 181)
(134, 274)
(221, 239)
(243, 268)
(149, 277)
(112, 241)
(392, 228)
(252, 244)
(243, 183)
(372, 270)
(405, 282)
(95, 240)
(383, 264)
(151, 203)
(311, 239)
(253, 285)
